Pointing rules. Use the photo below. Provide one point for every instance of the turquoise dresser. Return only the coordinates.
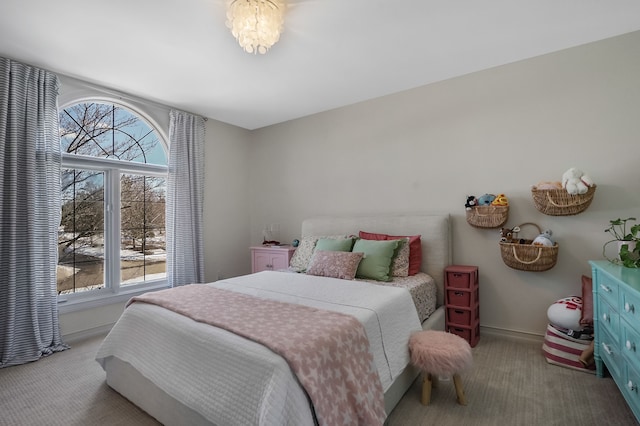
(616, 322)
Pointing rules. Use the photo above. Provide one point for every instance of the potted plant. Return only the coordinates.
(628, 247)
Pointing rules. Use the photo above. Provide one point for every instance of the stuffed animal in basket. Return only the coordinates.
(509, 235)
(500, 200)
(471, 202)
(486, 199)
(544, 239)
(575, 181)
(548, 185)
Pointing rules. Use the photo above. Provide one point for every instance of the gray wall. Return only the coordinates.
(496, 131)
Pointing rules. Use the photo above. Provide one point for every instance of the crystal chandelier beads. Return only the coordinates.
(256, 24)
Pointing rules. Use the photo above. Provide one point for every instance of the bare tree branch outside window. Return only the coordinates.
(107, 131)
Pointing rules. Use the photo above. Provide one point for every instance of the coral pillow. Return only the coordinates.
(587, 301)
(415, 248)
(334, 264)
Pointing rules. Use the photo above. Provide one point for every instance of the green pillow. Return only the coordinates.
(327, 244)
(376, 263)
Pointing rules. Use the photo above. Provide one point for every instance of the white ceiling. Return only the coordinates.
(332, 52)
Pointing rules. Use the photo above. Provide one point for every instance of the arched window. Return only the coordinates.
(114, 170)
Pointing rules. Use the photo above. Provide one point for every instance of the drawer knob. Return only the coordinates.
(606, 348)
(605, 288)
(605, 317)
(632, 387)
(631, 346)
(629, 307)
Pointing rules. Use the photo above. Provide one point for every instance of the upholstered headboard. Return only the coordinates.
(435, 231)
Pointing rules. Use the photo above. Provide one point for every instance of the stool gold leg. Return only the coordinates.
(462, 400)
(426, 389)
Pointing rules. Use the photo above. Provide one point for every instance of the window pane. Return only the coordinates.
(109, 131)
(81, 232)
(142, 227)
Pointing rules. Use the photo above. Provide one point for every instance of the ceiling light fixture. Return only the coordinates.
(256, 24)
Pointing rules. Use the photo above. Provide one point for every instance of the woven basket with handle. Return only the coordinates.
(528, 257)
(558, 202)
(488, 216)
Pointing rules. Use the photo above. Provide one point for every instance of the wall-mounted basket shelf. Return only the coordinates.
(528, 257)
(558, 202)
(488, 216)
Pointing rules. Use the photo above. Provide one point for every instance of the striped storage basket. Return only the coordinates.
(563, 350)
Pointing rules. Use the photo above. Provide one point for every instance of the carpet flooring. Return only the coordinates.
(510, 384)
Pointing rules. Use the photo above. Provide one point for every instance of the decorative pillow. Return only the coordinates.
(400, 261)
(304, 251)
(334, 264)
(331, 244)
(586, 317)
(415, 248)
(372, 236)
(376, 263)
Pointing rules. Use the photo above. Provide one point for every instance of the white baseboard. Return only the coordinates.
(86, 334)
(511, 334)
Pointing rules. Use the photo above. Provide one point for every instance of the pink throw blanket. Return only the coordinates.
(328, 351)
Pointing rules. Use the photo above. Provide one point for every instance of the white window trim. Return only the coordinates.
(112, 169)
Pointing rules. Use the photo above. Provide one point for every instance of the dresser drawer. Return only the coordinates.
(630, 343)
(629, 384)
(608, 319)
(607, 289)
(610, 353)
(629, 306)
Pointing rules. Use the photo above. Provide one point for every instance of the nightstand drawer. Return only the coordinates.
(461, 276)
(462, 298)
(470, 334)
(461, 316)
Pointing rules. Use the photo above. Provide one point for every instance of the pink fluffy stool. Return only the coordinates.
(438, 353)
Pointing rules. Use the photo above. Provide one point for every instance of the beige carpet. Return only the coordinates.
(510, 384)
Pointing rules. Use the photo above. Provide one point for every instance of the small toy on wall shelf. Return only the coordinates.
(510, 235)
(575, 181)
(471, 202)
(486, 199)
(548, 185)
(500, 200)
(545, 239)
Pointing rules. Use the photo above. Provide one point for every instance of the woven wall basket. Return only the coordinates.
(488, 216)
(558, 202)
(526, 256)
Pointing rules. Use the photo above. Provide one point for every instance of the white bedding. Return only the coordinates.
(230, 380)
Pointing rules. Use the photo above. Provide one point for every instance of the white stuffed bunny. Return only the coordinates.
(575, 181)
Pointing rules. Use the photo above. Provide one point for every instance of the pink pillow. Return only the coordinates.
(415, 248)
(587, 301)
(335, 264)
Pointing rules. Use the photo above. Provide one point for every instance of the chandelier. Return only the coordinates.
(256, 24)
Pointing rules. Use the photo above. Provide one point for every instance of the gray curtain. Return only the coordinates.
(29, 213)
(185, 198)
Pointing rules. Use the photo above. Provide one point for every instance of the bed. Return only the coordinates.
(182, 371)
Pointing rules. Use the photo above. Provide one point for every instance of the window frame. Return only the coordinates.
(112, 169)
